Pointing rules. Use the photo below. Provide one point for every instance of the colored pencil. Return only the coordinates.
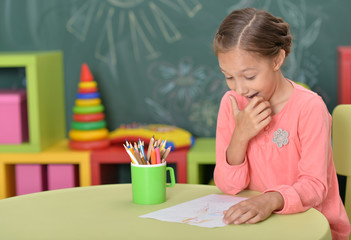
(131, 155)
(156, 154)
(142, 148)
(158, 157)
(142, 159)
(153, 157)
(150, 148)
(166, 153)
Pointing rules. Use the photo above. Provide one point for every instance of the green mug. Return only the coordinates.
(149, 183)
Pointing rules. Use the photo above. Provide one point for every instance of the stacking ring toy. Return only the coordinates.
(88, 125)
(88, 102)
(87, 84)
(89, 109)
(88, 95)
(87, 145)
(87, 90)
(91, 135)
(89, 117)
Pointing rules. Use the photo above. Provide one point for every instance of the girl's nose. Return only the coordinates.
(240, 89)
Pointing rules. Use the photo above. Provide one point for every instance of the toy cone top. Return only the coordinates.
(85, 74)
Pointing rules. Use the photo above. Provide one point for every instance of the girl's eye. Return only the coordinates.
(250, 78)
(229, 78)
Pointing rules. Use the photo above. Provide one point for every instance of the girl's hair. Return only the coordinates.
(255, 31)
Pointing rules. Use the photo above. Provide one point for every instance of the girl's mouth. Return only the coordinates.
(252, 96)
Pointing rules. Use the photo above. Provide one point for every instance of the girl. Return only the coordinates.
(273, 135)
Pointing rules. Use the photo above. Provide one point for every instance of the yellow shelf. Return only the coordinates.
(57, 154)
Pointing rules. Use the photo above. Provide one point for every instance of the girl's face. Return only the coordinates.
(249, 74)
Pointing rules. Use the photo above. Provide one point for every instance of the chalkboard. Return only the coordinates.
(153, 59)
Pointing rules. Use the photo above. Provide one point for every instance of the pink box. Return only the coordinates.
(13, 116)
(30, 178)
(62, 176)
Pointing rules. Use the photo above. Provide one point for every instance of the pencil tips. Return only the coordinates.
(156, 152)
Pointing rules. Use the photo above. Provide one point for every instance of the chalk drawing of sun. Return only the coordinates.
(142, 19)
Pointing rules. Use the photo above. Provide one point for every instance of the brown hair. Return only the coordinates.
(255, 31)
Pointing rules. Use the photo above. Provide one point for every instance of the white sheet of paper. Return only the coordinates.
(206, 211)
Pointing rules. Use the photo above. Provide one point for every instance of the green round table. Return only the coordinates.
(107, 212)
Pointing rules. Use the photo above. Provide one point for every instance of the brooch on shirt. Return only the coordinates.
(281, 137)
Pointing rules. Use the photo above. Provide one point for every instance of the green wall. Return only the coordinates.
(153, 59)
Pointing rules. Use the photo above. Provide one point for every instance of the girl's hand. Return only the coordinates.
(252, 119)
(254, 209)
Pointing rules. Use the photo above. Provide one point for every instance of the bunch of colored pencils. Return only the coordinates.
(156, 152)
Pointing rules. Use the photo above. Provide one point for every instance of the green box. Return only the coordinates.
(45, 98)
(202, 153)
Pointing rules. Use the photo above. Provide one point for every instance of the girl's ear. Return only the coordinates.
(278, 60)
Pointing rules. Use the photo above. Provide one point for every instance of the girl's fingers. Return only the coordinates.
(227, 214)
(261, 107)
(255, 219)
(233, 214)
(263, 115)
(264, 122)
(234, 104)
(245, 217)
(253, 103)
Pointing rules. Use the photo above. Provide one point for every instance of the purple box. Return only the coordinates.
(30, 178)
(62, 176)
(13, 116)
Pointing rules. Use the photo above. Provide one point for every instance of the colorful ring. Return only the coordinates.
(87, 90)
(90, 109)
(88, 102)
(87, 84)
(88, 95)
(87, 145)
(91, 135)
(88, 125)
(89, 117)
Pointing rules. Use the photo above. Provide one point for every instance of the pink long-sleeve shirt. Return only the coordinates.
(292, 156)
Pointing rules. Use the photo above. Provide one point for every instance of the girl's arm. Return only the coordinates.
(230, 179)
(249, 122)
(231, 171)
(254, 209)
(315, 165)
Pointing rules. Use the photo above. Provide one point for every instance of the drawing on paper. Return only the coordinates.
(205, 211)
(205, 214)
